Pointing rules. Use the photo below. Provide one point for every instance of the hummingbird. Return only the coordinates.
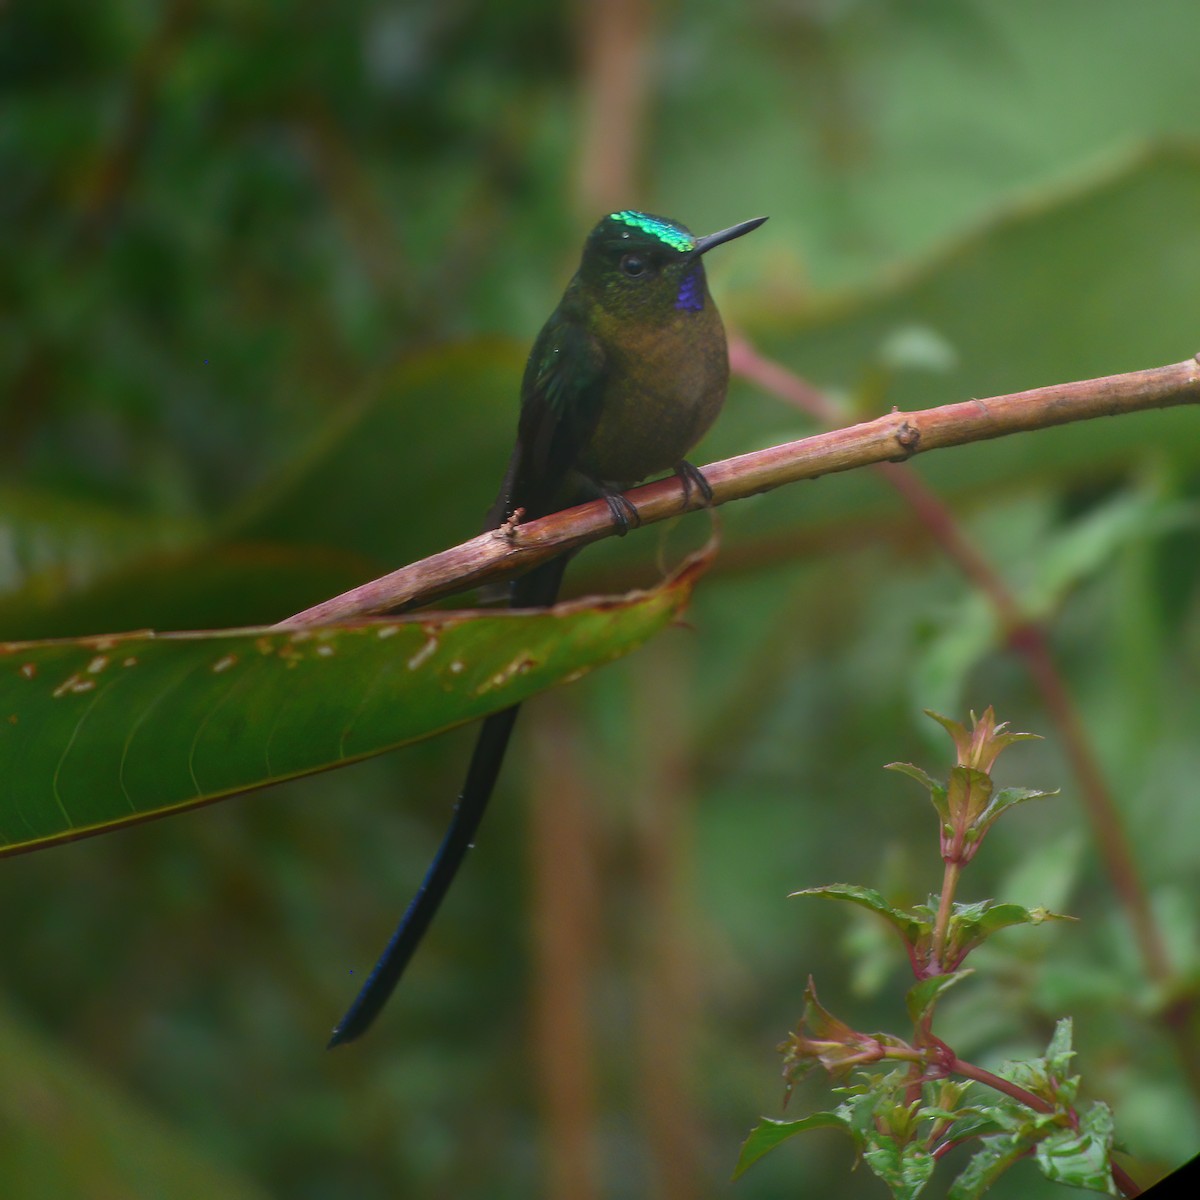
(625, 377)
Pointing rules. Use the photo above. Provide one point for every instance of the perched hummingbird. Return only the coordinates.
(624, 379)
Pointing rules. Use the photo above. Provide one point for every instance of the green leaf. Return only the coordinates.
(346, 491)
(1090, 543)
(917, 347)
(768, 1134)
(1060, 1051)
(910, 926)
(922, 996)
(1081, 1158)
(50, 543)
(922, 777)
(1009, 798)
(905, 1167)
(967, 799)
(67, 1129)
(973, 1122)
(971, 924)
(1047, 870)
(100, 732)
(870, 1099)
(994, 1156)
(325, 521)
(963, 635)
(1047, 1076)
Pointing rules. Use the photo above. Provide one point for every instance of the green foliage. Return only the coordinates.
(967, 804)
(769, 1133)
(969, 925)
(902, 1122)
(90, 1138)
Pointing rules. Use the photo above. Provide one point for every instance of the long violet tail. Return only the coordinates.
(538, 589)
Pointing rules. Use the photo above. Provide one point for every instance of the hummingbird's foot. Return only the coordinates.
(693, 477)
(623, 513)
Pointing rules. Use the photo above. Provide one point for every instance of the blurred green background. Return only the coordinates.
(267, 276)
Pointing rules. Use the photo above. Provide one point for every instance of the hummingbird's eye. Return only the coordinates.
(634, 265)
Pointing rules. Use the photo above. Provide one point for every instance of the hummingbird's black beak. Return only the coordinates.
(705, 244)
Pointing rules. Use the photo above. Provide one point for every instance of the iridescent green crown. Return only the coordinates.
(668, 234)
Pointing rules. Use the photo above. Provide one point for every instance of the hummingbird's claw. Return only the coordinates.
(693, 477)
(623, 513)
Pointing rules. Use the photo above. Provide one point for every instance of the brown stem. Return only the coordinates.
(896, 436)
(616, 46)
(669, 977)
(563, 908)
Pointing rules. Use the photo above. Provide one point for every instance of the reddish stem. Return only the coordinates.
(1121, 1178)
(1028, 639)
(942, 922)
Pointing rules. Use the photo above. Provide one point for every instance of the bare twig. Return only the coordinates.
(895, 437)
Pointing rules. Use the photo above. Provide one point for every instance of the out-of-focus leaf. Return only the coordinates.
(66, 1131)
(1041, 566)
(1047, 871)
(98, 733)
(51, 545)
(978, 296)
(1090, 543)
(214, 586)
(382, 485)
(409, 469)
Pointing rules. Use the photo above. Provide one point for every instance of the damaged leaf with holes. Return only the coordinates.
(96, 733)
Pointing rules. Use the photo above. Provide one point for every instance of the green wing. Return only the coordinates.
(561, 397)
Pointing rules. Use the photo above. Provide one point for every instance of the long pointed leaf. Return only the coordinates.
(97, 733)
